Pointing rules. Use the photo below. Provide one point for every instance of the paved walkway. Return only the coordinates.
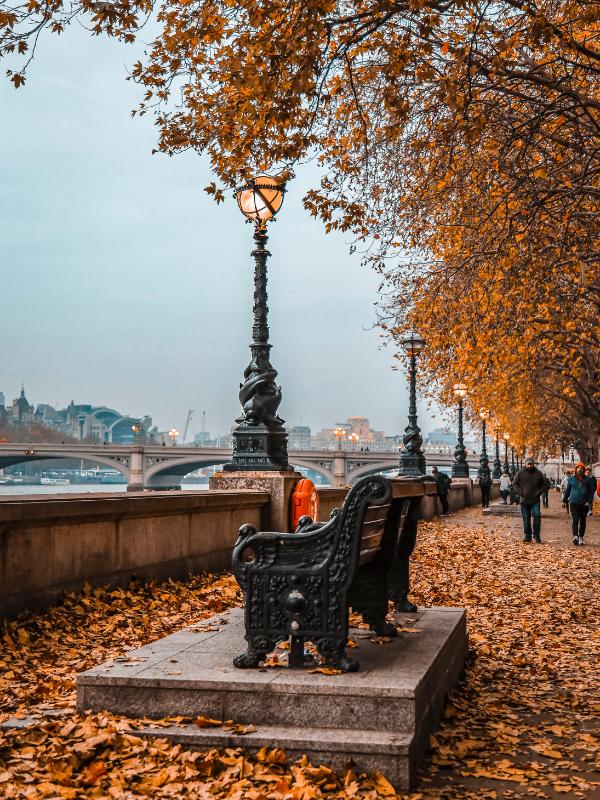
(556, 523)
(526, 721)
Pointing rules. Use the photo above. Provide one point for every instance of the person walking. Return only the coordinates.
(529, 484)
(545, 490)
(442, 481)
(504, 486)
(593, 483)
(485, 484)
(577, 495)
(563, 487)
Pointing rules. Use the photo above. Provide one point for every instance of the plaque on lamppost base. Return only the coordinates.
(279, 485)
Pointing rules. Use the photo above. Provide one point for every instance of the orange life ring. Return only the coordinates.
(304, 500)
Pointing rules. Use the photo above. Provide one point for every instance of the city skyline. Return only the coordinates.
(125, 280)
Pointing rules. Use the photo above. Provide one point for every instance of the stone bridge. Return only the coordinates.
(159, 467)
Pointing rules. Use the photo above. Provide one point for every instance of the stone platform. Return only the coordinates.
(500, 510)
(379, 718)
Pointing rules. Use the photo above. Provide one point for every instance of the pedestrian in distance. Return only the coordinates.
(442, 481)
(529, 484)
(546, 489)
(577, 495)
(504, 486)
(563, 487)
(485, 484)
(591, 479)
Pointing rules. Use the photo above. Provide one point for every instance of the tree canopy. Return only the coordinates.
(459, 142)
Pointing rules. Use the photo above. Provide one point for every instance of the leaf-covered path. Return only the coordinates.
(524, 722)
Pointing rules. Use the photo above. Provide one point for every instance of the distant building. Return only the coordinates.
(358, 435)
(22, 411)
(299, 437)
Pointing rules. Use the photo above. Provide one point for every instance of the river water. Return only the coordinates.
(83, 488)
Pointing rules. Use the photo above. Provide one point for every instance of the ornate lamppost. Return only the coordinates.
(137, 431)
(260, 439)
(173, 434)
(460, 467)
(497, 473)
(484, 464)
(506, 437)
(412, 459)
(339, 433)
(353, 439)
(513, 471)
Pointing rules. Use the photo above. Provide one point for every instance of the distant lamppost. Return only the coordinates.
(137, 431)
(484, 464)
(513, 471)
(339, 434)
(260, 439)
(412, 460)
(353, 439)
(460, 467)
(506, 437)
(497, 473)
(173, 434)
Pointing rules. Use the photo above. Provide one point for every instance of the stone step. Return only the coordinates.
(380, 717)
(340, 749)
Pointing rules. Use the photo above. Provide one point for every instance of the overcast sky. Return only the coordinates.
(123, 284)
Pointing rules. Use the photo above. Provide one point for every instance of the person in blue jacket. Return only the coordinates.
(577, 495)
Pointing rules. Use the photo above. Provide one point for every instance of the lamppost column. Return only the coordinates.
(506, 456)
(412, 459)
(512, 462)
(460, 467)
(484, 464)
(260, 439)
(497, 473)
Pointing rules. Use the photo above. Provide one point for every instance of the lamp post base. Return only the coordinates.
(257, 448)
(279, 484)
(411, 466)
(460, 470)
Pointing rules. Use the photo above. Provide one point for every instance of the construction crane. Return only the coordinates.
(187, 425)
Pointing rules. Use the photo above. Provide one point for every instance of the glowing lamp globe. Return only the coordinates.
(412, 343)
(260, 198)
(460, 390)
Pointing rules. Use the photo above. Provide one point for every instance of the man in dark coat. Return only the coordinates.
(529, 484)
(442, 481)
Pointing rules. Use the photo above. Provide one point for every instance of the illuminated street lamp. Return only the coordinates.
(460, 467)
(353, 439)
(513, 471)
(260, 439)
(173, 434)
(412, 459)
(339, 434)
(137, 430)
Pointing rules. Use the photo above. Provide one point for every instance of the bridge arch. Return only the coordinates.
(158, 474)
(314, 466)
(121, 464)
(372, 469)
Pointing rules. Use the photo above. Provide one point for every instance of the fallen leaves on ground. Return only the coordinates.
(522, 722)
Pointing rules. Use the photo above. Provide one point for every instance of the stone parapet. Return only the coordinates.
(54, 544)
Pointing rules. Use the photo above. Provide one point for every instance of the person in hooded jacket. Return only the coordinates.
(578, 495)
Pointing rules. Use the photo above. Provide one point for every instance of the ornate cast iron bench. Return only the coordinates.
(302, 584)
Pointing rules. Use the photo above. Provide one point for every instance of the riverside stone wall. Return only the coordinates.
(50, 545)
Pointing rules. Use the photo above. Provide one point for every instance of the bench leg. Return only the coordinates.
(258, 647)
(334, 653)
